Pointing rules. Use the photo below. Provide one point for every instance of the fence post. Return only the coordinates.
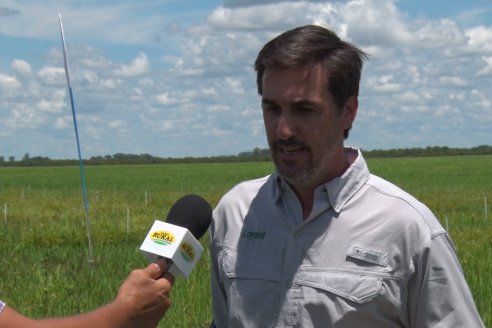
(485, 208)
(127, 222)
(5, 212)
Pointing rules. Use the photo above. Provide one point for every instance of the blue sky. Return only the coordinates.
(174, 78)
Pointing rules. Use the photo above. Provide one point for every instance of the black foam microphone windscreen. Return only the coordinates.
(191, 212)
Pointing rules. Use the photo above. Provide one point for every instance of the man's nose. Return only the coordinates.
(286, 127)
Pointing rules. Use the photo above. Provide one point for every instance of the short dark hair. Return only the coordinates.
(311, 45)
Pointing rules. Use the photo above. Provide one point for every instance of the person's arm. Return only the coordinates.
(142, 301)
(439, 294)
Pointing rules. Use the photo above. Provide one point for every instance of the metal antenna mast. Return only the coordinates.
(81, 164)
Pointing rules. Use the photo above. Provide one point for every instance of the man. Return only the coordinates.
(142, 301)
(322, 242)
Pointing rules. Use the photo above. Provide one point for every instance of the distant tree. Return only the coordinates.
(2, 159)
(25, 158)
(11, 158)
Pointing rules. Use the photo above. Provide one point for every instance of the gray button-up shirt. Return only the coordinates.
(369, 255)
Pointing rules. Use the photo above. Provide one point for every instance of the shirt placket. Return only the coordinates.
(290, 294)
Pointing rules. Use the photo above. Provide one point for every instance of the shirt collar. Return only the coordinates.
(340, 189)
(279, 186)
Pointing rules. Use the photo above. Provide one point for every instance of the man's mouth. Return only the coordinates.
(290, 147)
(290, 151)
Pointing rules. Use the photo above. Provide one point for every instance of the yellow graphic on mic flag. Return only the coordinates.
(188, 252)
(162, 237)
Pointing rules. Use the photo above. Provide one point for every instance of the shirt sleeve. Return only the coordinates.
(219, 299)
(2, 306)
(439, 295)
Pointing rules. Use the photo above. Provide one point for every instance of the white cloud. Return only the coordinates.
(139, 66)
(480, 39)
(270, 16)
(165, 99)
(218, 108)
(453, 81)
(117, 124)
(109, 84)
(487, 69)
(434, 34)
(382, 23)
(8, 82)
(165, 125)
(235, 85)
(51, 106)
(22, 67)
(62, 123)
(23, 116)
(53, 76)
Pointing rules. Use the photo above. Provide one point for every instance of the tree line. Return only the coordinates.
(254, 155)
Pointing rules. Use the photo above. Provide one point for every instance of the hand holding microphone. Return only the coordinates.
(145, 295)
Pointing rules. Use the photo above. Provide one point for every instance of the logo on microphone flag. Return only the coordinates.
(188, 252)
(162, 237)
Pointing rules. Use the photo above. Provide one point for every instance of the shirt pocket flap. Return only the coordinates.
(358, 287)
(248, 266)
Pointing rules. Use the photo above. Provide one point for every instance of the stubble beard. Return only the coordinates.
(314, 170)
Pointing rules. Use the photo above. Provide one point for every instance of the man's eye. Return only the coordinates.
(305, 110)
(271, 109)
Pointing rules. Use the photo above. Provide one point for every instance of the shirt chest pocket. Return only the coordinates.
(247, 266)
(349, 285)
(252, 287)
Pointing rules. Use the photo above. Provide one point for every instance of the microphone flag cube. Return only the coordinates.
(174, 243)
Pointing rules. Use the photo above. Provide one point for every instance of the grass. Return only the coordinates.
(43, 249)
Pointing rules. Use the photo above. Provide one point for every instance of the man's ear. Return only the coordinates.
(349, 112)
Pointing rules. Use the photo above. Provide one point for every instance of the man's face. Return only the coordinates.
(303, 125)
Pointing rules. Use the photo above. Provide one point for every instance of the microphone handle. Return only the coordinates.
(169, 262)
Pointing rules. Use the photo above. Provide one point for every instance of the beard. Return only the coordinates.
(311, 172)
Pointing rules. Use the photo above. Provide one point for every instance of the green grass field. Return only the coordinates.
(43, 264)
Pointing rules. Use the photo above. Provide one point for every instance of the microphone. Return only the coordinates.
(177, 238)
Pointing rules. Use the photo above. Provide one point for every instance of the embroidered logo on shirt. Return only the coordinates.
(368, 255)
(251, 235)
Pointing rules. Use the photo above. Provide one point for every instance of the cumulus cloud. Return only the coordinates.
(139, 66)
(165, 99)
(453, 81)
(274, 17)
(22, 67)
(8, 82)
(62, 122)
(51, 106)
(23, 116)
(247, 3)
(382, 23)
(487, 69)
(480, 39)
(117, 124)
(52, 75)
